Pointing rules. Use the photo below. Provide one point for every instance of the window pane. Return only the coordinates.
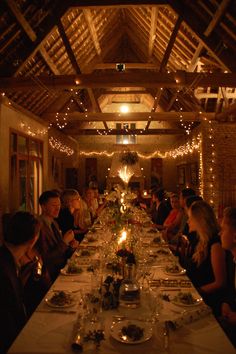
(13, 139)
(23, 184)
(22, 145)
(33, 185)
(40, 149)
(33, 148)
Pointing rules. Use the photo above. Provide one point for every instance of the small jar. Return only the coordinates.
(129, 293)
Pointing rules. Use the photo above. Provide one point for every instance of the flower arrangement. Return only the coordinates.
(129, 158)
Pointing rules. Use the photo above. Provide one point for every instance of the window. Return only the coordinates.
(26, 165)
(126, 139)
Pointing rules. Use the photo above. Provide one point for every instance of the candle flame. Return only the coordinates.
(125, 174)
(123, 237)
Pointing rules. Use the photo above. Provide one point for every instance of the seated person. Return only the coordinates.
(20, 236)
(35, 277)
(139, 201)
(187, 243)
(71, 204)
(184, 194)
(54, 247)
(228, 238)
(173, 221)
(92, 203)
(207, 268)
(161, 211)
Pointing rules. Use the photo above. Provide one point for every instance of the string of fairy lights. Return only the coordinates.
(191, 146)
(188, 148)
(56, 144)
(212, 162)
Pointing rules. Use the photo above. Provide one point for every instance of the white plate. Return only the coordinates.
(181, 272)
(64, 271)
(197, 298)
(117, 334)
(71, 303)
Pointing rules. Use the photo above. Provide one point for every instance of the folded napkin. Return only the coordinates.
(189, 317)
(172, 283)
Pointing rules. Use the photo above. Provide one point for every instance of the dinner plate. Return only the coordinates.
(64, 271)
(116, 331)
(181, 272)
(198, 301)
(69, 303)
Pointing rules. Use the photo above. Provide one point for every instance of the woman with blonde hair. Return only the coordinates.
(207, 269)
(67, 219)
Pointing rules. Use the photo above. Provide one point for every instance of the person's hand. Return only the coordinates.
(68, 237)
(228, 314)
(74, 244)
(143, 205)
(225, 309)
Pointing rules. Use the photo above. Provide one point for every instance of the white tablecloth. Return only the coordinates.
(51, 332)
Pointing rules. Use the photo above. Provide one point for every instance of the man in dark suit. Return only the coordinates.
(21, 235)
(54, 247)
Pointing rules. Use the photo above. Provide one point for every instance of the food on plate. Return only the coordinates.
(156, 239)
(162, 251)
(132, 331)
(91, 238)
(74, 268)
(61, 298)
(174, 268)
(152, 231)
(185, 298)
(85, 253)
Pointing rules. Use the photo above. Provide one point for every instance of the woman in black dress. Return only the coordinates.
(207, 269)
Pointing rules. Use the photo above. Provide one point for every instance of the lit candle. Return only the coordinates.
(122, 237)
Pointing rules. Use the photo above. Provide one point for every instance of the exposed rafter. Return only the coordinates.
(130, 117)
(143, 79)
(75, 131)
(164, 63)
(215, 20)
(89, 20)
(47, 25)
(152, 34)
(211, 43)
(21, 19)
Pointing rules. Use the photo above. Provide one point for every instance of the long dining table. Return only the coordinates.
(193, 329)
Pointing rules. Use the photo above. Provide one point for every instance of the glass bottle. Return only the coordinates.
(129, 293)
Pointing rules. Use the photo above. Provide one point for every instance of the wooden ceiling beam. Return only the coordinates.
(74, 131)
(92, 30)
(170, 44)
(129, 117)
(176, 80)
(67, 45)
(152, 34)
(49, 61)
(165, 61)
(130, 92)
(47, 25)
(215, 20)
(212, 43)
(142, 66)
(116, 3)
(21, 19)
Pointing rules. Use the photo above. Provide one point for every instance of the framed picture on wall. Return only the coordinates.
(181, 175)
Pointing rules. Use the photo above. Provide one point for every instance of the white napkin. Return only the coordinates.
(190, 316)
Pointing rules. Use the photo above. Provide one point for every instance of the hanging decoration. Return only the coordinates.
(188, 148)
(32, 131)
(58, 145)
